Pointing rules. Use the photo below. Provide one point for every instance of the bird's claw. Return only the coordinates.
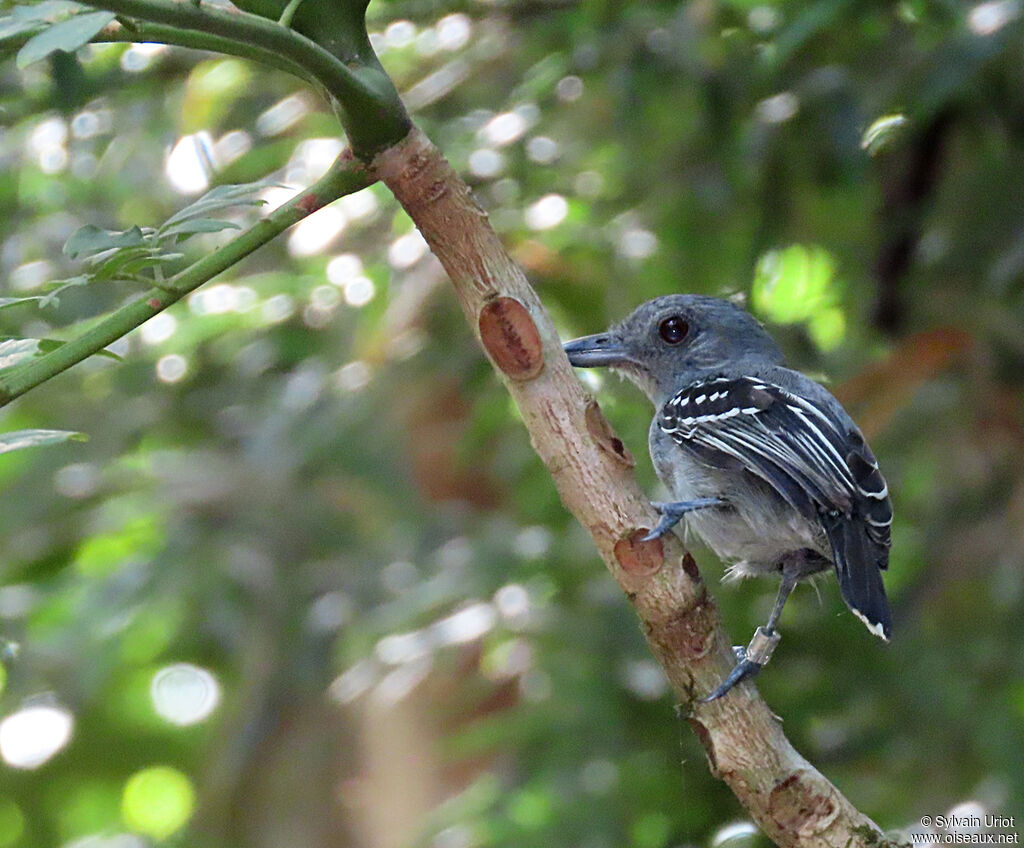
(744, 669)
(672, 512)
(749, 661)
(667, 522)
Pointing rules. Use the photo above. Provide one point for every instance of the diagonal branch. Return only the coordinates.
(745, 745)
(345, 176)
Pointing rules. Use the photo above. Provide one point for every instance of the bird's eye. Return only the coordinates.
(673, 329)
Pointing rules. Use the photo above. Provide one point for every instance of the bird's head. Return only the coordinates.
(671, 341)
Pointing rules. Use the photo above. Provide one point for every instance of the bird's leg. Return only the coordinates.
(673, 511)
(756, 655)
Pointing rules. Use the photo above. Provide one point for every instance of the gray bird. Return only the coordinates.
(766, 467)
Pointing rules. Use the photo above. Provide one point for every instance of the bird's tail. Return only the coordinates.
(859, 563)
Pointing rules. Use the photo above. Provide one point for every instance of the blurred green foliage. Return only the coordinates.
(307, 584)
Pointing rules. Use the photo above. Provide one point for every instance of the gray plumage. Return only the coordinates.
(775, 476)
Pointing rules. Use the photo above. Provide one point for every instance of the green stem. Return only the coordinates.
(346, 175)
(143, 32)
(373, 113)
(289, 12)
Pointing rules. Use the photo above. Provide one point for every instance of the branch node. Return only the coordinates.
(289, 12)
(637, 557)
(605, 437)
(510, 336)
(795, 806)
(690, 567)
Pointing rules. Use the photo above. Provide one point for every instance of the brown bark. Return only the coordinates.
(745, 745)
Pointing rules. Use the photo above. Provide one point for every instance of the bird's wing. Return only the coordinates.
(819, 465)
(780, 437)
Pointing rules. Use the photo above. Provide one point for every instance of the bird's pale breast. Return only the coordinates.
(755, 532)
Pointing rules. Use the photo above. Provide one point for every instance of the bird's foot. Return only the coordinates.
(749, 661)
(673, 511)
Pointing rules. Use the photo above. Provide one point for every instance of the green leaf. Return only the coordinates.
(27, 18)
(216, 199)
(184, 229)
(11, 28)
(126, 265)
(109, 264)
(50, 345)
(47, 12)
(58, 287)
(18, 439)
(7, 302)
(15, 351)
(67, 35)
(90, 240)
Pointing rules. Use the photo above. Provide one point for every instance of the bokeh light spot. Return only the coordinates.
(828, 328)
(651, 830)
(360, 206)
(790, 284)
(184, 694)
(734, 834)
(359, 291)
(171, 368)
(29, 737)
(406, 250)
(513, 602)
(190, 163)
(453, 31)
(282, 115)
(353, 376)
(343, 268)
(312, 235)
(504, 128)
(637, 243)
(486, 163)
(778, 109)
(987, 18)
(466, 625)
(547, 212)
(158, 329)
(542, 149)
(569, 88)
(138, 57)
(157, 801)
(400, 34)
(278, 308)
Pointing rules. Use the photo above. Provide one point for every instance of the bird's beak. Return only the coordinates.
(593, 351)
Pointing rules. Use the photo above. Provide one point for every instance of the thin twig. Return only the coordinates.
(346, 175)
